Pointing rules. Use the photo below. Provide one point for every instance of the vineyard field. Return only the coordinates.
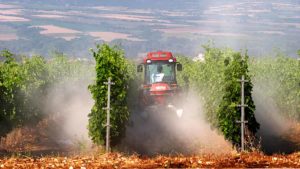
(52, 113)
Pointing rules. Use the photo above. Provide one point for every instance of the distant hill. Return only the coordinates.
(74, 26)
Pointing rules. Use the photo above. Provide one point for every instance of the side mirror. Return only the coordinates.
(140, 68)
(179, 67)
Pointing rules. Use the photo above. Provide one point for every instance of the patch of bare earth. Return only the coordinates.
(8, 37)
(38, 139)
(293, 134)
(116, 160)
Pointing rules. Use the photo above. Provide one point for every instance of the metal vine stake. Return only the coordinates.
(243, 105)
(108, 108)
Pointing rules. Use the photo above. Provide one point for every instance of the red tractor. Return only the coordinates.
(160, 86)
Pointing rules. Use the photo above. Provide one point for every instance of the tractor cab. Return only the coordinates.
(159, 72)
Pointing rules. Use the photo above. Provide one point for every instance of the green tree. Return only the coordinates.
(10, 86)
(35, 82)
(25, 84)
(110, 62)
(206, 77)
(278, 77)
(229, 112)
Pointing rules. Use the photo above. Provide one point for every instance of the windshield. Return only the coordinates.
(160, 72)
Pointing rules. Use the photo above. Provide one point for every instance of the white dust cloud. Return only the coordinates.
(70, 103)
(162, 132)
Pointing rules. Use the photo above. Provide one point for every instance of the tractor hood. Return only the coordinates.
(160, 89)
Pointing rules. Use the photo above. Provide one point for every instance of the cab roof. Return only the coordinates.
(159, 55)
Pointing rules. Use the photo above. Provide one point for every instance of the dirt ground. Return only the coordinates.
(116, 160)
(32, 148)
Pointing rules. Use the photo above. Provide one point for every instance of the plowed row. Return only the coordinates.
(115, 160)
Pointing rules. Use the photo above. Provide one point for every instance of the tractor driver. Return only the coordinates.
(159, 75)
